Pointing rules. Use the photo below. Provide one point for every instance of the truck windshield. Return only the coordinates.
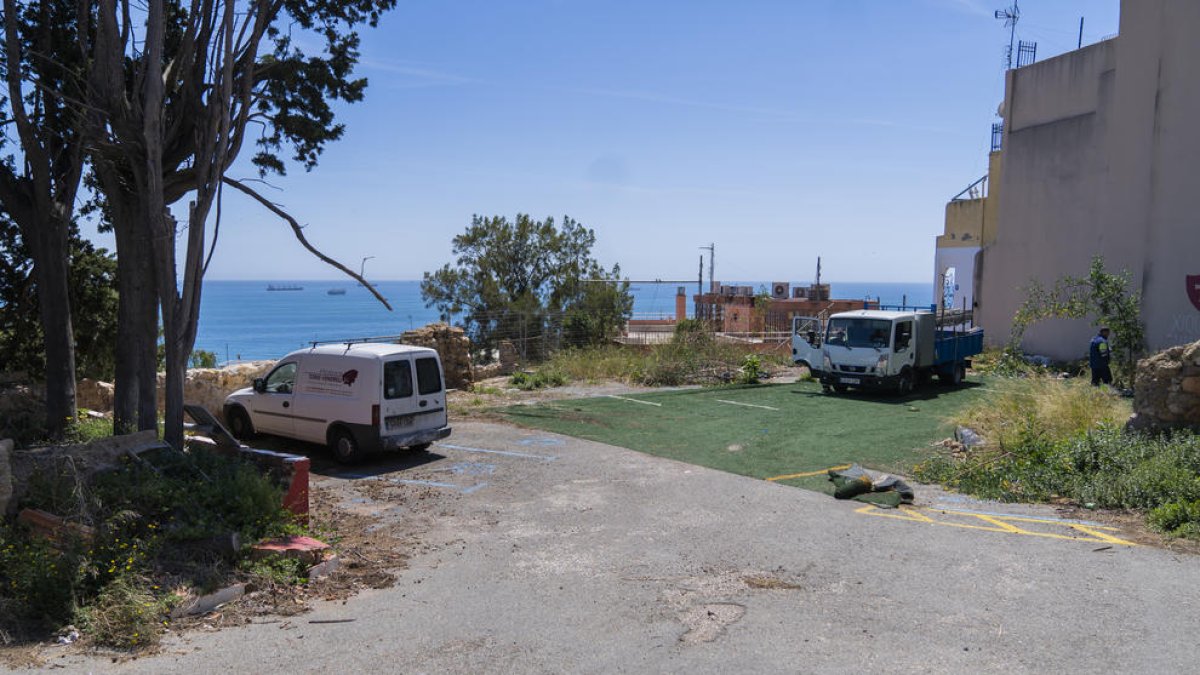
(851, 332)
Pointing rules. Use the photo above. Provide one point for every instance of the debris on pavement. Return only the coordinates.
(870, 487)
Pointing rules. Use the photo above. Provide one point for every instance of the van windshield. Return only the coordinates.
(853, 332)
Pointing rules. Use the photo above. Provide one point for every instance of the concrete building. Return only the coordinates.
(1097, 157)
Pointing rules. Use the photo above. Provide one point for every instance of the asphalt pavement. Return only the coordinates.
(546, 553)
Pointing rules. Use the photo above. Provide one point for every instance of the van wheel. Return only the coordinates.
(420, 447)
(344, 447)
(239, 424)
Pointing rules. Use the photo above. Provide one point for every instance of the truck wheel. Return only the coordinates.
(239, 424)
(904, 385)
(840, 388)
(344, 446)
(420, 447)
(960, 374)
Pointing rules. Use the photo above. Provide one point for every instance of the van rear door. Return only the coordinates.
(399, 401)
(431, 395)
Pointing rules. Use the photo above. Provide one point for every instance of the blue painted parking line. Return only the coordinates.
(438, 484)
(506, 453)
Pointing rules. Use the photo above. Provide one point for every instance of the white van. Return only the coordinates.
(355, 397)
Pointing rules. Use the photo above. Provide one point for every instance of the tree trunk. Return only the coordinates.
(135, 402)
(48, 244)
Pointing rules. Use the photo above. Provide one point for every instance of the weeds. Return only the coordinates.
(146, 519)
(1049, 439)
(1031, 409)
(539, 379)
(690, 358)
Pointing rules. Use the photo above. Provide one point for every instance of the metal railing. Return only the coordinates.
(976, 190)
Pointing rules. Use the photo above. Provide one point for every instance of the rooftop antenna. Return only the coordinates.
(1010, 15)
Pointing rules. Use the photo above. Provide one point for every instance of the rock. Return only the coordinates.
(94, 395)
(75, 462)
(454, 348)
(1167, 390)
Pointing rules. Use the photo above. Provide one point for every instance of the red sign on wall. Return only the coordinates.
(1193, 289)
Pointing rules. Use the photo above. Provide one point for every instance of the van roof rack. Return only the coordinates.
(358, 340)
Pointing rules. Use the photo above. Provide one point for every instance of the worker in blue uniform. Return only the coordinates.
(1099, 354)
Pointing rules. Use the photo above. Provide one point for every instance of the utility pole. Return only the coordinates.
(700, 277)
(818, 273)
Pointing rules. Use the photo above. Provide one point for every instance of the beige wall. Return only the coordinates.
(1099, 152)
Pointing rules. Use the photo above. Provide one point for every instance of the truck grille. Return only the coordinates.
(853, 369)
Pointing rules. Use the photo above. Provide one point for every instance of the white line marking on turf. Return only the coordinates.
(634, 400)
(507, 453)
(748, 405)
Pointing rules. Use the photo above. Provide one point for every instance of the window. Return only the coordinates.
(281, 379)
(903, 335)
(429, 378)
(397, 379)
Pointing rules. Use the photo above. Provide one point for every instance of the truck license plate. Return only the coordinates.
(850, 380)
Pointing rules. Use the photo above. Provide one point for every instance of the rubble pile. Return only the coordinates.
(452, 345)
(1167, 390)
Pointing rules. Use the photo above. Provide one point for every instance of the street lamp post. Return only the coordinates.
(363, 266)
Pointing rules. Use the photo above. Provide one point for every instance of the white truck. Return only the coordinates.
(353, 396)
(894, 348)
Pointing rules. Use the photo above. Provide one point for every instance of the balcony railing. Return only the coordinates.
(976, 190)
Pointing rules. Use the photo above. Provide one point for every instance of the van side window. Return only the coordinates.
(429, 379)
(397, 379)
(903, 335)
(281, 379)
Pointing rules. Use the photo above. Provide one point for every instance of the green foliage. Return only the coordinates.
(276, 569)
(202, 358)
(752, 369)
(692, 357)
(144, 519)
(1104, 296)
(1101, 466)
(93, 298)
(540, 379)
(41, 580)
(525, 281)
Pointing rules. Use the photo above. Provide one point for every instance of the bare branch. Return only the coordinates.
(299, 232)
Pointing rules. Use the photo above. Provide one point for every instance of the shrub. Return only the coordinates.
(540, 379)
(125, 615)
(1103, 466)
(751, 369)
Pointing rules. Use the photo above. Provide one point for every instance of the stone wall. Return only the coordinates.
(452, 345)
(1167, 390)
(205, 386)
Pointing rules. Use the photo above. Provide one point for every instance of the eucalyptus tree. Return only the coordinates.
(41, 170)
(173, 89)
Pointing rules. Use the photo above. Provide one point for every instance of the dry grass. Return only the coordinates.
(1042, 406)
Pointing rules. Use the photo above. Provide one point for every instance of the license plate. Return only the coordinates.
(399, 422)
(850, 380)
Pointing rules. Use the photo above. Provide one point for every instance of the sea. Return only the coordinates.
(242, 320)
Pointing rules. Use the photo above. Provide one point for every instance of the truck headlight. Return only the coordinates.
(826, 364)
(881, 366)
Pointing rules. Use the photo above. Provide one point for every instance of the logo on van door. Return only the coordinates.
(330, 382)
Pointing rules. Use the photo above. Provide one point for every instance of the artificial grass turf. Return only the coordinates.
(810, 431)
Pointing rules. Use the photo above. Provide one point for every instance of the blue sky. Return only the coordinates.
(780, 130)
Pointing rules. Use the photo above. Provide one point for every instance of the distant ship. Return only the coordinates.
(336, 291)
(284, 287)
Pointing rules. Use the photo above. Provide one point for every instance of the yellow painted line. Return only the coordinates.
(747, 405)
(998, 524)
(1100, 535)
(806, 474)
